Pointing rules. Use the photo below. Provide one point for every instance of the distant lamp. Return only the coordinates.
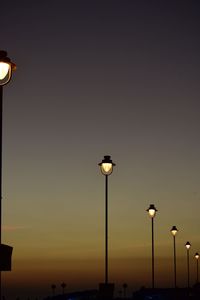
(187, 246)
(197, 259)
(106, 165)
(152, 211)
(174, 231)
(6, 68)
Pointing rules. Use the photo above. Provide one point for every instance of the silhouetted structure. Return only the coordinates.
(63, 286)
(81, 295)
(168, 294)
(5, 254)
(106, 291)
(125, 288)
(53, 287)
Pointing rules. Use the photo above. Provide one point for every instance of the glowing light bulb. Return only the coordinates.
(174, 230)
(187, 245)
(107, 167)
(152, 211)
(4, 69)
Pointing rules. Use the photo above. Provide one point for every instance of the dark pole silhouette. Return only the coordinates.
(124, 288)
(174, 231)
(152, 212)
(53, 287)
(153, 275)
(197, 259)
(1, 102)
(106, 168)
(63, 286)
(106, 228)
(120, 293)
(6, 68)
(188, 245)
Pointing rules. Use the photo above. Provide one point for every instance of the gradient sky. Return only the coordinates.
(96, 78)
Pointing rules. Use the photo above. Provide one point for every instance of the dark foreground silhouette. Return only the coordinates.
(142, 294)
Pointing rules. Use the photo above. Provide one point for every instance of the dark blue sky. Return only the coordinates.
(96, 78)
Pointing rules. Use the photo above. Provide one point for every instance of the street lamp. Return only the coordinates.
(197, 259)
(174, 231)
(106, 166)
(188, 245)
(6, 69)
(152, 213)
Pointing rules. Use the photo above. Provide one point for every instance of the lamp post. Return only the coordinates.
(6, 69)
(106, 166)
(174, 231)
(197, 259)
(152, 213)
(188, 245)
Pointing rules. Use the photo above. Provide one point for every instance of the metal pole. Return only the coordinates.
(188, 268)
(174, 261)
(106, 229)
(1, 108)
(152, 253)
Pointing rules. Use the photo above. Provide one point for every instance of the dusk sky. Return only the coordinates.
(95, 78)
